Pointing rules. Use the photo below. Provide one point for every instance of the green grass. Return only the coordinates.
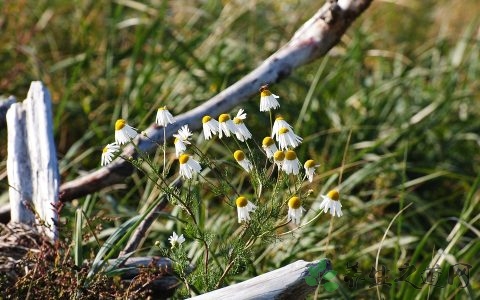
(397, 99)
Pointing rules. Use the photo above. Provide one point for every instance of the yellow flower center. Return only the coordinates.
(294, 202)
(290, 155)
(105, 149)
(309, 164)
(163, 108)
(223, 118)
(283, 130)
(120, 124)
(334, 195)
(268, 141)
(237, 121)
(265, 93)
(241, 201)
(176, 140)
(279, 118)
(206, 119)
(239, 155)
(183, 159)
(279, 155)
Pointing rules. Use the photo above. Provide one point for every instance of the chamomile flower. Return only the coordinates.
(268, 144)
(286, 138)
(225, 125)
(164, 117)
(280, 123)
(182, 139)
(176, 240)
(108, 153)
(184, 134)
(310, 169)
(244, 207)
(279, 158)
(295, 210)
(124, 133)
(188, 166)
(180, 146)
(291, 164)
(331, 202)
(210, 127)
(268, 100)
(241, 131)
(239, 156)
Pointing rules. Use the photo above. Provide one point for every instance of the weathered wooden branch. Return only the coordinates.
(313, 40)
(284, 283)
(32, 162)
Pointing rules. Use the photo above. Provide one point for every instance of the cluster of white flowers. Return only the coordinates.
(225, 126)
(282, 156)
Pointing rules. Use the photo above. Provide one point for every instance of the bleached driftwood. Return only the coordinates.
(284, 283)
(32, 162)
(313, 40)
(18, 167)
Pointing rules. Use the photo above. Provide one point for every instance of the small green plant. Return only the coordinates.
(317, 274)
(264, 182)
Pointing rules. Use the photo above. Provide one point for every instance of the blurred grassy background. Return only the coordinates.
(403, 82)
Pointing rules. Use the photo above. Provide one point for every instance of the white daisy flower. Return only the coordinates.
(239, 156)
(268, 100)
(241, 131)
(124, 133)
(225, 125)
(280, 123)
(164, 117)
(268, 144)
(180, 146)
(310, 169)
(279, 158)
(244, 207)
(188, 166)
(184, 134)
(295, 210)
(331, 202)
(176, 240)
(286, 138)
(291, 164)
(210, 127)
(108, 153)
(182, 139)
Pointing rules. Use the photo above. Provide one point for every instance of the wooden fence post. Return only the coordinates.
(32, 162)
(18, 167)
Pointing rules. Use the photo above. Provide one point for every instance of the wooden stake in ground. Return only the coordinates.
(32, 162)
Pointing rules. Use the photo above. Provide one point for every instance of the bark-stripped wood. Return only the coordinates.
(18, 167)
(284, 283)
(32, 161)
